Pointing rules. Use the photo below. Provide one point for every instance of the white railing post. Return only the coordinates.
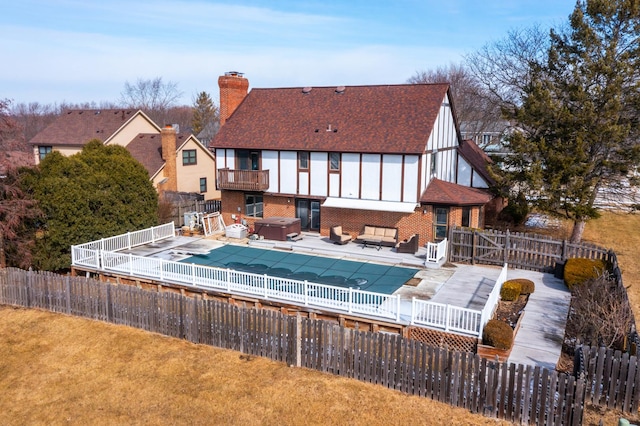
(130, 264)
(413, 310)
(398, 308)
(193, 274)
(306, 293)
(350, 298)
(101, 244)
(153, 235)
(447, 316)
(228, 280)
(129, 240)
(264, 280)
(161, 269)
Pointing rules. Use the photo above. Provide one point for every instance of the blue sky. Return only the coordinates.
(85, 50)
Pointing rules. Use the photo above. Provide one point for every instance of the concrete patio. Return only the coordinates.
(539, 339)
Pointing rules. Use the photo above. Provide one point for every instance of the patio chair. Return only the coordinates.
(337, 236)
(410, 245)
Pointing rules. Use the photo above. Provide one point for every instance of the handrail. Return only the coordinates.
(102, 255)
(492, 300)
(436, 251)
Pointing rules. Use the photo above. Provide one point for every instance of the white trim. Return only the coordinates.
(357, 204)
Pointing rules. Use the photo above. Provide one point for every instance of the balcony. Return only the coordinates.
(243, 180)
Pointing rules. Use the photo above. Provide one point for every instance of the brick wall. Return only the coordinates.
(352, 220)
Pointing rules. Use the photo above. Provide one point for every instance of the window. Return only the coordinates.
(486, 139)
(43, 151)
(434, 162)
(189, 157)
(334, 161)
(203, 184)
(466, 216)
(440, 222)
(303, 160)
(248, 160)
(253, 205)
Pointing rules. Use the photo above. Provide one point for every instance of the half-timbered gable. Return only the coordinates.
(332, 152)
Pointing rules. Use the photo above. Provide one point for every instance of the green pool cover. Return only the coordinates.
(343, 273)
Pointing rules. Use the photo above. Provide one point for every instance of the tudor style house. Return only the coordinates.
(387, 155)
(175, 162)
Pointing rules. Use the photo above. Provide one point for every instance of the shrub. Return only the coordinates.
(498, 334)
(526, 286)
(579, 270)
(510, 290)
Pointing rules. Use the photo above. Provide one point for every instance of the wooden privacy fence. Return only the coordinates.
(612, 378)
(518, 250)
(517, 393)
(199, 206)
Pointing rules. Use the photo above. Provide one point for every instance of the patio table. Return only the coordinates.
(371, 242)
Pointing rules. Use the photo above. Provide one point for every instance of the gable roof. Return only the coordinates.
(79, 126)
(452, 194)
(381, 119)
(147, 149)
(477, 158)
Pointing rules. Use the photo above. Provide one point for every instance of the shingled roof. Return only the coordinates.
(477, 158)
(79, 126)
(381, 119)
(147, 149)
(452, 194)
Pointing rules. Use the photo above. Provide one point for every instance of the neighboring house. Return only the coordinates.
(385, 155)
(491, 137)
(181, 163)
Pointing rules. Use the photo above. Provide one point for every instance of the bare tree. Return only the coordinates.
(503, 68)
(16, 206)
(153, 96)
(600, 314)
(476, 109)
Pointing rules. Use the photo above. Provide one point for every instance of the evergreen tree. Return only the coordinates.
(100, 192)
(205, 113)
(579, 113)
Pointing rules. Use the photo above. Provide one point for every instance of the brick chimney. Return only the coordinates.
(233, 89)
(168, 138)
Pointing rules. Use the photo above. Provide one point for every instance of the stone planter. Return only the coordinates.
(494, 354)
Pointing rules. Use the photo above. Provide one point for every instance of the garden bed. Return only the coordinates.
(512, 313)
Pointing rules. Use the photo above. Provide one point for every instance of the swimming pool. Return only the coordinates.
(324, 270)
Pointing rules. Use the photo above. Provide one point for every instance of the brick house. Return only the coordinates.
(175, 162)
(387, 155)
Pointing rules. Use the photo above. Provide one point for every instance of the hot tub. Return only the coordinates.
(277, 228)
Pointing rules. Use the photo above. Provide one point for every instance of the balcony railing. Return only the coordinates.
(243, 180)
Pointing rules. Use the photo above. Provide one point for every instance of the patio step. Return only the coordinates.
(294, 236)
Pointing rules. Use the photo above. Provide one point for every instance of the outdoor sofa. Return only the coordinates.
(379, 235)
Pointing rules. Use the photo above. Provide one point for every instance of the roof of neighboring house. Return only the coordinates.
(381, 119)
(441, 192)
(147, 149)
(477, 158)
(79, 126)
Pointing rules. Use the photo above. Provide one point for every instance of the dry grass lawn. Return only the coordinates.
(56, 369)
